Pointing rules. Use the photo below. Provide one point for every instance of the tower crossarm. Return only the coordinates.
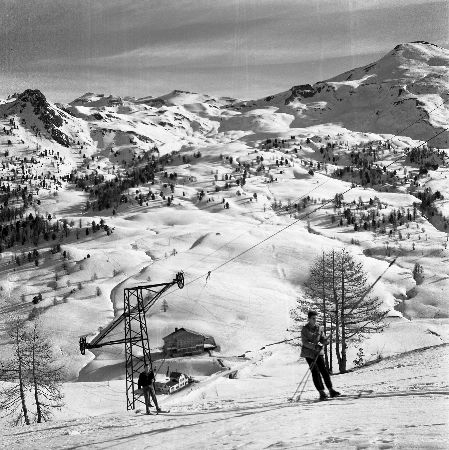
(155, 291)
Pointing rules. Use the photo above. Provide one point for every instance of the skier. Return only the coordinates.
(313, 342)
(146, 383)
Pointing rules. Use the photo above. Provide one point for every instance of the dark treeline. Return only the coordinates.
(428, 208)
(366, 176)
(14, 202)
(15, 194)
(8, 214)
(427, 157)
(32, 230)
(368, 216)
(427, 197)
(105, 194)
(365, 171)
(38, 229)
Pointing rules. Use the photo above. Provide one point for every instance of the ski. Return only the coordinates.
(355, 395)
(162, 411)
(152, 413)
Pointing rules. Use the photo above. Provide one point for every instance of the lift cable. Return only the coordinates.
(305, 216)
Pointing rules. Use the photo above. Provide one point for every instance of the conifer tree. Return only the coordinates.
(13, 371)
(32, 374)
(45, 373)
(337, 288)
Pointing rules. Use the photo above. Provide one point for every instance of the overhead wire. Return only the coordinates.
(388, 165)
(398, 133)
(246, 232)
(307, 214)
(294, 222)
(282, 229)
(367, 291)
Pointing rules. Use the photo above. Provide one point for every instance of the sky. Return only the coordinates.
(240, 48)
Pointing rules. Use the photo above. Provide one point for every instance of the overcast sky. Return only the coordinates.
(240, 48)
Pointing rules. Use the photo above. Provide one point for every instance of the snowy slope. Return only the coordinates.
(403, 404)
(409, 83)
(39, 115)
(168, 122)
(246, 303)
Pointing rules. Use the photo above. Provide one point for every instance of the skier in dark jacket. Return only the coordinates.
(146, 383)
(313, 342)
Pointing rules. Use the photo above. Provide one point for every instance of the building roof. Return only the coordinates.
(175, 374)
(188, 331)
(167, 383)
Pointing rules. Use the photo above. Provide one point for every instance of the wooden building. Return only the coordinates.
(175, 382)
(184, 342)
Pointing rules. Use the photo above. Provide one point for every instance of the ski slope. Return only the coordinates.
(403, 404)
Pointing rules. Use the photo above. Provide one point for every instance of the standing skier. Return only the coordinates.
(313, 342)
(146, 382)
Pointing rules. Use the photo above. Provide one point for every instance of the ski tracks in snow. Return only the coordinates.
(256, 414)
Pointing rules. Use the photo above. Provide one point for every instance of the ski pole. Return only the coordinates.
(299, 385)
(309, 372)
(304, 385)
(305, 378)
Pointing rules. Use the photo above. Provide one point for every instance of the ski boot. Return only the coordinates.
(323, 396)
(333, 393)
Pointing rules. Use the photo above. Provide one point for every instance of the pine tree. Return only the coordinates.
(337, 288)
(318, 289)
(45, 373)
(32, 373)
(13, 401)
(418, 273)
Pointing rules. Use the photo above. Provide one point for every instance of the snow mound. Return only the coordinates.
(300, 173)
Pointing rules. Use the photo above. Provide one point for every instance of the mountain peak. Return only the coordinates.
(92, 99)
(419, 50)
(38, 112)
(407, 84)
(423, 43)
(33, 96)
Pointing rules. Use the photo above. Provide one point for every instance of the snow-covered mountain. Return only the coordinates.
(178, 97)
(402, 93)
(167, 122)
(40, 116)
(408, 84)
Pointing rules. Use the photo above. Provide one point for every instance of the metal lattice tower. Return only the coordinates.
(136, 303)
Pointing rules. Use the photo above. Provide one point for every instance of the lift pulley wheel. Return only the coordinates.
(180, 279)
(83, 345)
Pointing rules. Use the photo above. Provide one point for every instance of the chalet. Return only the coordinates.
(184, 342)
(175, 382)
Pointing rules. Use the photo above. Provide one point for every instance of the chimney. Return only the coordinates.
(176, 329)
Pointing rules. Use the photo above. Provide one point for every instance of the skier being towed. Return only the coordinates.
(146, 383)
(313, 342)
